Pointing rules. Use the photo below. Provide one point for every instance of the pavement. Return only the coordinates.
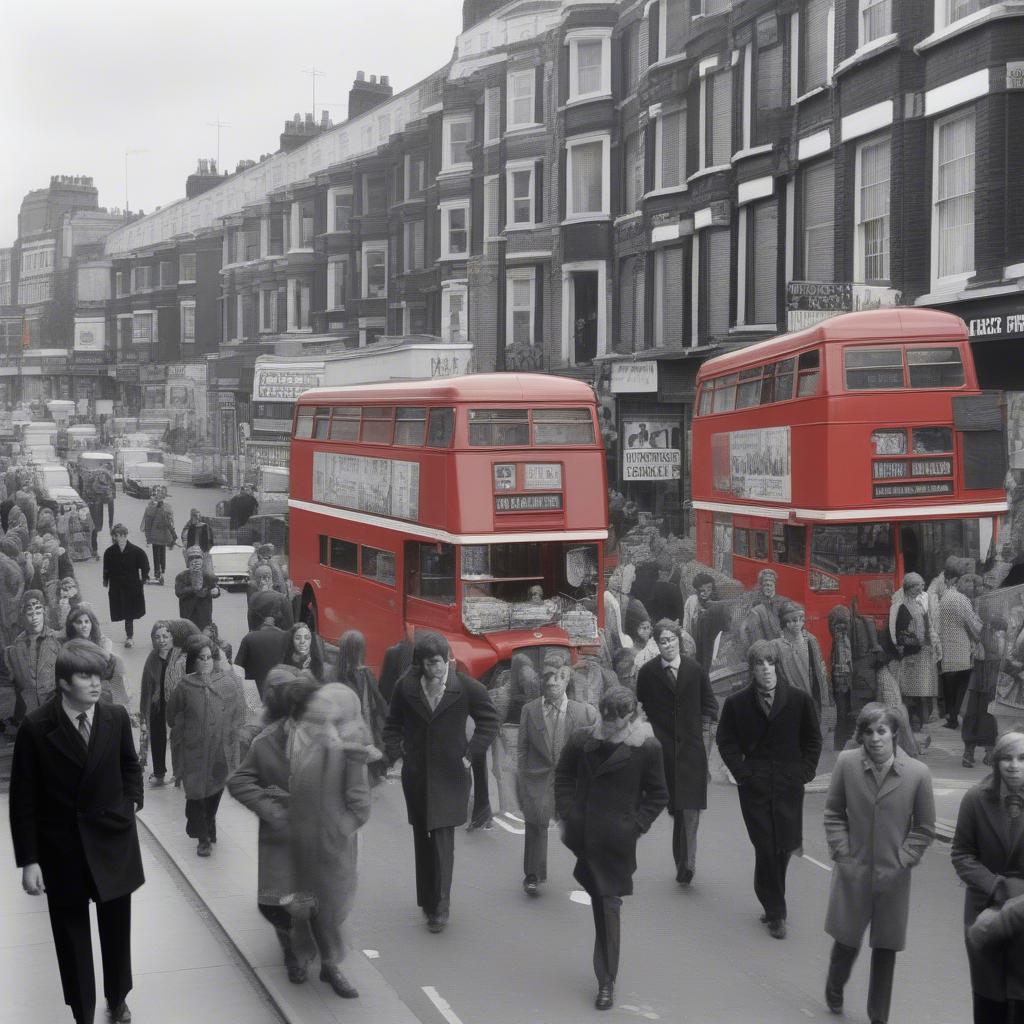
(696, 956)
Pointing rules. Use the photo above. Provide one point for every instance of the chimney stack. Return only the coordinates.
(365, 95)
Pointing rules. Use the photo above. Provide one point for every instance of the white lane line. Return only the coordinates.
(514, 817)
(824, 867)
(442, 1005)
(509, 828)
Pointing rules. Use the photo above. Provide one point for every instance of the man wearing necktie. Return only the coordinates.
(545, 725)
(426, 729)
(770, 740)
(675, 693)
(75, 786)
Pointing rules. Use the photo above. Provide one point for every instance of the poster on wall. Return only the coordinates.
(284, 382)
(753, 464)
(90, 334)
(650, 449)
(383, 487)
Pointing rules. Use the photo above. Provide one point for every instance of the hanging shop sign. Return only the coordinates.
(650, 449)
(634, 377)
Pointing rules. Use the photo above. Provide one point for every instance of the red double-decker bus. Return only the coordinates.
(475, 506)
(846, 455)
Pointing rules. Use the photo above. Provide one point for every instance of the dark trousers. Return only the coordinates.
(990, 1011)
(684, 840)
(535, 852)
(954, 686)
(844, 719)
(159, 559)
(201, 817)
(96, 511)
(158, 737)
(770, 881)
(883, 964)
(435, 858)
(129, 628)
(481, 794)
(73, 943)
(606, 910)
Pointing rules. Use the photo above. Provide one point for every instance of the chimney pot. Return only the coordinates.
(384, 80)
(360, 76)
(373, 79)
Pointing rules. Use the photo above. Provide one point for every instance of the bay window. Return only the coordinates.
(716, 94)
(670, 156)
(587, 176)
(875, 20)
(816, 44)
(633, 172)
(375, 270)
(521, 294)
(521, 188)
(458, 136)
(412, 245)
(590, 65)
(521, 101)
(455, 229)
(953, 196)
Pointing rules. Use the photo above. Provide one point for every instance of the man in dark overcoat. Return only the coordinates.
(397, 661)
(545, 726)
(676, 695)
(76, 784)
(770, 740)
(609, 788)
(125, 572)
(426, 728)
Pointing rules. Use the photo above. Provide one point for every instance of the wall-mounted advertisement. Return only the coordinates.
(753, 464)
(650, 449)
(276, 382)
(90, 334)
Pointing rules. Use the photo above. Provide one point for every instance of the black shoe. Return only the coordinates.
(777, 928)
(605, 996)
(684, 877)
(156, 780)
(119, 1014)
(297, 974)
(950, 723)
(338, 982)
(530, 886)
(204, 849)
(833, 1000)
(436, 923)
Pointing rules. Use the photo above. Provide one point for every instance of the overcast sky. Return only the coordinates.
(81, 82)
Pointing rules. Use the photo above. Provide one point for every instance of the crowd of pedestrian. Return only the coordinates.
(600, 745)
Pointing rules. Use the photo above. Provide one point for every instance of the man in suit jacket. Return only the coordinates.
(676, 695)
(31, 659)
(76, 784)
(426, 728)
(545, 726)
(770, 740)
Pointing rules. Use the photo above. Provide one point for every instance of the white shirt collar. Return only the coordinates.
(427, 688)
(73, 715)
(674, 665)
(562, 704)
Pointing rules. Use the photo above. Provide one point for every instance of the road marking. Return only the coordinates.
(508, 828)
(514, 817)
(442, 1005)
(579, 896)
(824, 867)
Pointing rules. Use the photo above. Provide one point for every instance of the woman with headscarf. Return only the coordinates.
(206, 712)
(304, 651)
(261, 784)
(81, 624)
(355, 675)
(609, 788)
(913, 632)
(163, 671)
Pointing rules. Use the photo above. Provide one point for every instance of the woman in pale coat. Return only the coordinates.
(915, 634)
(206, 712)
(879, 820)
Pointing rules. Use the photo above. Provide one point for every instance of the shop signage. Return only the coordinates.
(634, 377)
(283, 383)
(753, 464)
(151, 373)
(1015, 74)
(272, 426)
(128, 373)
(89, 358)
(267, 453)
(650, 450)
(90, 334)
(999, 325)
(810, 302)
(527, 502)
(913, 490)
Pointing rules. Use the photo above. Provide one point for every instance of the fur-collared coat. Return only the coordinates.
(606, 803)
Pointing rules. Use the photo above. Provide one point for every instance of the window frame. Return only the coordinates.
(333, 265)
(709, 89)
(377, 246)
(446, 208)
(449, 289)
(805, 168)
(573, 39)
(801, 88)
(659, 150)
(512, 78)
(859, 234)
(409, 264)
(450, 121)
(572, 143)
(265, 326)
(864, 11)
(333, 195)
(520, 274)
(950, 281)
(512, 168)
(182, 279)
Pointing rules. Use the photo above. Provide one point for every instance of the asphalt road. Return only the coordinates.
(687, 956)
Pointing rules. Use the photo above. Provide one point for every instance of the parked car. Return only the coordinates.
(272, 490)
(140, 479)
(132, 457)
(231, 564)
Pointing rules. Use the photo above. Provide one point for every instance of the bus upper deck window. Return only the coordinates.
(935, 367)
(873, 369)
(784, 380)
(707, 392)
(725, 393)
(410, 425)
(321, 427)
(808, 373)
(563, 426)
(441, 428)
(749, 391)
(497, 428)
(304, 421)
(378, 424)
(345, 424)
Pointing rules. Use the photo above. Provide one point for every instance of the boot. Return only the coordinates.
(987, 759)
(296, 970)
(968, 758)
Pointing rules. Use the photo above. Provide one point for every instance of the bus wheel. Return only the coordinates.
(308, 613)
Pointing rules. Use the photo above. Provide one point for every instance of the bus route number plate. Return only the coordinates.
(527, 502)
